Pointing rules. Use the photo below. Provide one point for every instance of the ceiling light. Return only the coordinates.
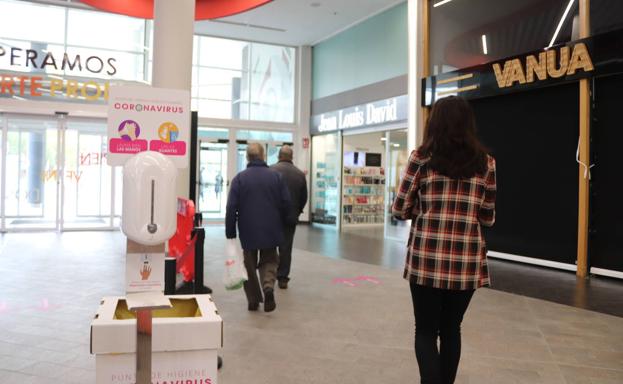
(441, 3)
(396, 145)
(484, 45)
(383, 138)
(562, 21)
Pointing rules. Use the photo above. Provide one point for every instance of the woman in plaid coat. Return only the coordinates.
(449, 192)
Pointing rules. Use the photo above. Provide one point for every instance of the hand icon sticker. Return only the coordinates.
(145, 272)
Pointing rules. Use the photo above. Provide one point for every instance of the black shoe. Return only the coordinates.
(269, 300)
(253, 306)
(283, 283)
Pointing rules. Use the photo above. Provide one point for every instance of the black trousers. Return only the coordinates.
(438, 314)
(285, 252)
(265, 261)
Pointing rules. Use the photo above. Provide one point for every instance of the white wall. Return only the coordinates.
(366, 142)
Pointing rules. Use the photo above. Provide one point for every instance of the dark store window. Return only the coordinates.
(606, 15)
(470, 32)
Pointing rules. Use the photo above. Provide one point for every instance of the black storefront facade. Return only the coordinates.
(528, 111)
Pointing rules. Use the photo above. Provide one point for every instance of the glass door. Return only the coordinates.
(271, 140)
(31, 174)
(398, 157)
(3, 146)
(271, 151)
(326, 168)
(213, 184)
(88, 179)
(54, 174)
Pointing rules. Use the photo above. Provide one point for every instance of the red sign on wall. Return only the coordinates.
(305, 142)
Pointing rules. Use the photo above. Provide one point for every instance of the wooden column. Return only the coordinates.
(585, 109)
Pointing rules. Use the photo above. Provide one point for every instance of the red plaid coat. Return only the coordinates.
(446, 248)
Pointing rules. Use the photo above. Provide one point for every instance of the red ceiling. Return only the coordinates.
(205, 9)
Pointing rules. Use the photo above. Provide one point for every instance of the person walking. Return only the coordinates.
(297, 186)
(258, 203)
(218, 185)
(449, 192)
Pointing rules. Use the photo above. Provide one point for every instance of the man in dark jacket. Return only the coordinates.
(259, 202)
(297, 185)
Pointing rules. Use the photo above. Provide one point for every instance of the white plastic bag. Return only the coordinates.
(235, 273)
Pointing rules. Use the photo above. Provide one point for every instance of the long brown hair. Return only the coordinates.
(450, 140)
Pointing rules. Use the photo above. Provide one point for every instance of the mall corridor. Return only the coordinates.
(340, 321)
(473, 144)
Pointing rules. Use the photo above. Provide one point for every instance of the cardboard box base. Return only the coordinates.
(178, 367)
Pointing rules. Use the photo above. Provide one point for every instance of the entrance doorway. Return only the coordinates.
(213, 181)
(55, 175)
(30, 182)
(356, 176)
(271, 150)
(222, 154)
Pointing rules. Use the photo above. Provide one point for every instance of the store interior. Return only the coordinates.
(364, 181)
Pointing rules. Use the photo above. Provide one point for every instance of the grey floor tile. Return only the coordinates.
(321, 332)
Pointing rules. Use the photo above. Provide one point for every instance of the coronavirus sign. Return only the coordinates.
(146, 118)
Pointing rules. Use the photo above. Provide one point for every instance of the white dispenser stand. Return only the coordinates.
(149, 218)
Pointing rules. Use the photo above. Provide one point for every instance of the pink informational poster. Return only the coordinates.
(142, 118)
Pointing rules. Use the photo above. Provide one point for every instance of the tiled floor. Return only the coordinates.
(323, 331)
(597, 294)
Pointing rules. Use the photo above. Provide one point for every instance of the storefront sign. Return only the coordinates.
(38, 86)
(552, 63)
(361, 116)
(146, 118)
(27, 74)
(595, 56)
(43, 60)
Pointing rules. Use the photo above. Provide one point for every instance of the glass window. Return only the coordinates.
(213, 133)
(217, 83)
(396, 168)
(32, 22)
(230, 52)
(285, 137)
(88, 188)
(271, 83)
(255, 80)
(326, 172)
(118, 54)
(21, 64)
(86, 28)
(467, 33)
(31, 179)
(125, 66)
(213, 186)
(215, 108)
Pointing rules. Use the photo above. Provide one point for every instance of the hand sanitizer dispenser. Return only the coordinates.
(149, 198)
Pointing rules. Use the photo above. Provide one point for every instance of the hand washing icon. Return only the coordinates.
(129, 130)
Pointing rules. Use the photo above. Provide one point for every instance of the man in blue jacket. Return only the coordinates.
(259, 202)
